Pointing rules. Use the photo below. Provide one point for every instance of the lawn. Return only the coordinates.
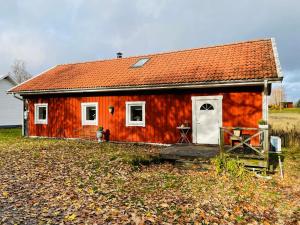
(286, 110)
(285, 119)
(46, 181)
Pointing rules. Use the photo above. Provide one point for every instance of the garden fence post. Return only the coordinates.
(221, 141)
(266, 145)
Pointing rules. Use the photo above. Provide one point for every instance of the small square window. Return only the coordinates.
(135, 114)
(140, 62)
(41, 113)
(89, 113)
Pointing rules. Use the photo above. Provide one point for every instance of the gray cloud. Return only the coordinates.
(45, 33)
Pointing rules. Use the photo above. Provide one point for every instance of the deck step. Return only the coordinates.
(189, 152)
(195, 164)
(254, 163)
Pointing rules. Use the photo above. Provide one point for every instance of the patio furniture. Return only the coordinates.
(236, 137)
(183, 135)
(250, 150)
(239, 137)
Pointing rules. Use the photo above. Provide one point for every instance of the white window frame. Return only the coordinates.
(36, 114)
(84, 121)
(130, 123)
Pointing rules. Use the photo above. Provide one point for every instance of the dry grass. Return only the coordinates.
(285, 119)
(70, 182)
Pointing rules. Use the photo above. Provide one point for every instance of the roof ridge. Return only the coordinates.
(169, 52)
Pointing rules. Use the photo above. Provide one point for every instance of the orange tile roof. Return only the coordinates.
(251, 60)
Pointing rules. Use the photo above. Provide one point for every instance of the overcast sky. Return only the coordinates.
(46, 33)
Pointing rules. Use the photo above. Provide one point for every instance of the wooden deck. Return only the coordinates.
(252, 150)
(176, 152)
(203, 153)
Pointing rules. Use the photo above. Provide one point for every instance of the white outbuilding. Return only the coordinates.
(10, 107)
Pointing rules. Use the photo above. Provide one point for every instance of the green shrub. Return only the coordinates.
(298, 104)
(137, 161)
(225, 164)
(262, 122)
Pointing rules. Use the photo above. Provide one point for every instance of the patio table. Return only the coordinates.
(184, 134)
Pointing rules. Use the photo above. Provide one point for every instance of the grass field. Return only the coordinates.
(285, 119)
(57, 181)
(287, 110)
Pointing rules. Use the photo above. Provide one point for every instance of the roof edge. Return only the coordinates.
(153, 87)
(10, 77)
(276, 56)
(11, 90)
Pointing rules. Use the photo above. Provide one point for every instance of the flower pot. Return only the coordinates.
(99, 135)
(263, 126)
(237, 132)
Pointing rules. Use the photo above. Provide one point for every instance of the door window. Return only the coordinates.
(206, 106)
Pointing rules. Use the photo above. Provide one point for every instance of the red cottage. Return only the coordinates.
(145, 98)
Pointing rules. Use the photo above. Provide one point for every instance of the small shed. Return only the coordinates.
(287, 104)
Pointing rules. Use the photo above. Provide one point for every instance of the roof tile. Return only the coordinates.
(238, 61)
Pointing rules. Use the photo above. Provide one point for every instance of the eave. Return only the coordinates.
(199, 85)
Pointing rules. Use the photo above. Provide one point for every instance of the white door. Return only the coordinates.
(207, 119)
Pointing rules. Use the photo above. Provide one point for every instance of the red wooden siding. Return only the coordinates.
(164, 111)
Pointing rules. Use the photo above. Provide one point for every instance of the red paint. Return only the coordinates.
(164, 111)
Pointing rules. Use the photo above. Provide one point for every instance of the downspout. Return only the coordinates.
(17, 97)
(265, 101)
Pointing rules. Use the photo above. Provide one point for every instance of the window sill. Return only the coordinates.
(41, 122)
(89, 124)
(136, 125)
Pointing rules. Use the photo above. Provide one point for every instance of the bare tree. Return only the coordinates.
(278, 95)
(18, 70)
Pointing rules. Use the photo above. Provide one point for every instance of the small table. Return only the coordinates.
(183, 134)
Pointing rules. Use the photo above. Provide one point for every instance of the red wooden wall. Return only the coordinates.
(164, 111)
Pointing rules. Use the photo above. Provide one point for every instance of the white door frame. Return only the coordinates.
(211, 97)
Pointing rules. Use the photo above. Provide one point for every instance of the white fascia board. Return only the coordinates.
(277, 62)
(208, 97)
(158, 87)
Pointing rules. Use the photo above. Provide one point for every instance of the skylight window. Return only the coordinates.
(140, 62)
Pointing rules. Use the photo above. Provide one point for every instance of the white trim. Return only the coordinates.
(277, 62)
(85, 122)
(36, 114)
(265, 108)
(220, 110)
(9, 76)
(130, 123)
(212, 97)
(149, 87)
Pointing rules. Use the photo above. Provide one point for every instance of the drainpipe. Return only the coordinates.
(17, 97)
(265, 101)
